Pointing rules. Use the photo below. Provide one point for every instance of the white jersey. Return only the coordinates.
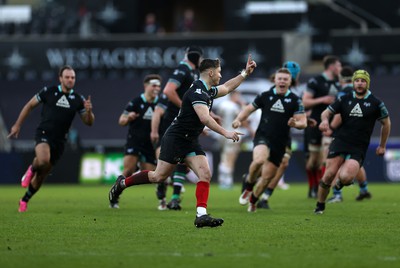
(228, 110)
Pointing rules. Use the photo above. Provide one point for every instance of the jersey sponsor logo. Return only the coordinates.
(367, 104)
(356, 111)
(148, 114)
(63, 102)
(287, 100)
(278, 107)
(198, 91)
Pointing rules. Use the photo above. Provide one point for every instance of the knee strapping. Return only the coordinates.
(324, 185)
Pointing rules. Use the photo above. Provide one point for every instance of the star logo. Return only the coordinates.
(255, 55)
(15, 60)
(356, 55)
(109, 14)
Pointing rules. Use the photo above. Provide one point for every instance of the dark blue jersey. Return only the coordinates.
(358, 118)
(187, 124)
(183, 76)
(276, 110)
(320, 86)
(140, 128)
(58, 111)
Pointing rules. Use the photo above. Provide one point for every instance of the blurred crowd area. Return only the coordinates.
(103, 17)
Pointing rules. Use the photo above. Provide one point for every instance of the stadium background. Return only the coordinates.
(105, 43)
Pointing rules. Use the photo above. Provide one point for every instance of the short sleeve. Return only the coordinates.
(177, 77)
(312, 86)
(214, 92)
(258, 102)
(41, 96)
(163, 101)
(336, 106)
(300, 107)
(197, 97)
(383, 111)
(130, 107)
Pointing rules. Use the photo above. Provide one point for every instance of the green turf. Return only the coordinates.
(72, 226)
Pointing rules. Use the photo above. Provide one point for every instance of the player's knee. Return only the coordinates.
(206, 176)
(258, 162)
(346, 178)
(42, 164)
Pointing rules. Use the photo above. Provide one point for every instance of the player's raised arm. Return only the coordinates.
(88, 116)
(233, 83)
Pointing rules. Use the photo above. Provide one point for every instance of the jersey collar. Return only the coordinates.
(145, 100)
(366, 95)
(187, 64)
(286, 94)
(326, 78)
(204, 83)
(60, 89)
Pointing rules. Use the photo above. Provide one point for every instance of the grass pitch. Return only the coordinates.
(72, 226)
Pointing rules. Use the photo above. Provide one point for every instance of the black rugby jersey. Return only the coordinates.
(358, 117)
(58, 111)
(320, 86)
(140, 128)
(276, 110)
(162, 101)
(187, 124)
(345, 90)
(183, 76)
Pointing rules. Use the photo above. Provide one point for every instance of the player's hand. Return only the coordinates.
(324, 126)
(328, 99)
(14, 132)
(236, 123)
(292, 122)
(327, 133)
(154, 137)
(233, 135)
(251, 65)
(132, 116)
(88, 104)
(380, 151)
(311, 122)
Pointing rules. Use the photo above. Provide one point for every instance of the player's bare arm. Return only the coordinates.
(243, 115)
(206, 119)
(124, 119)
(29, 106)
(298, 121)
(155, 124)
(233, 83)
(325, 116)
(172, 95)
(88, 116)
(385, 131)
(309, 101)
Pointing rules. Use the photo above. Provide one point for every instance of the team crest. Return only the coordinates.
(356, 111)
(278, 107)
